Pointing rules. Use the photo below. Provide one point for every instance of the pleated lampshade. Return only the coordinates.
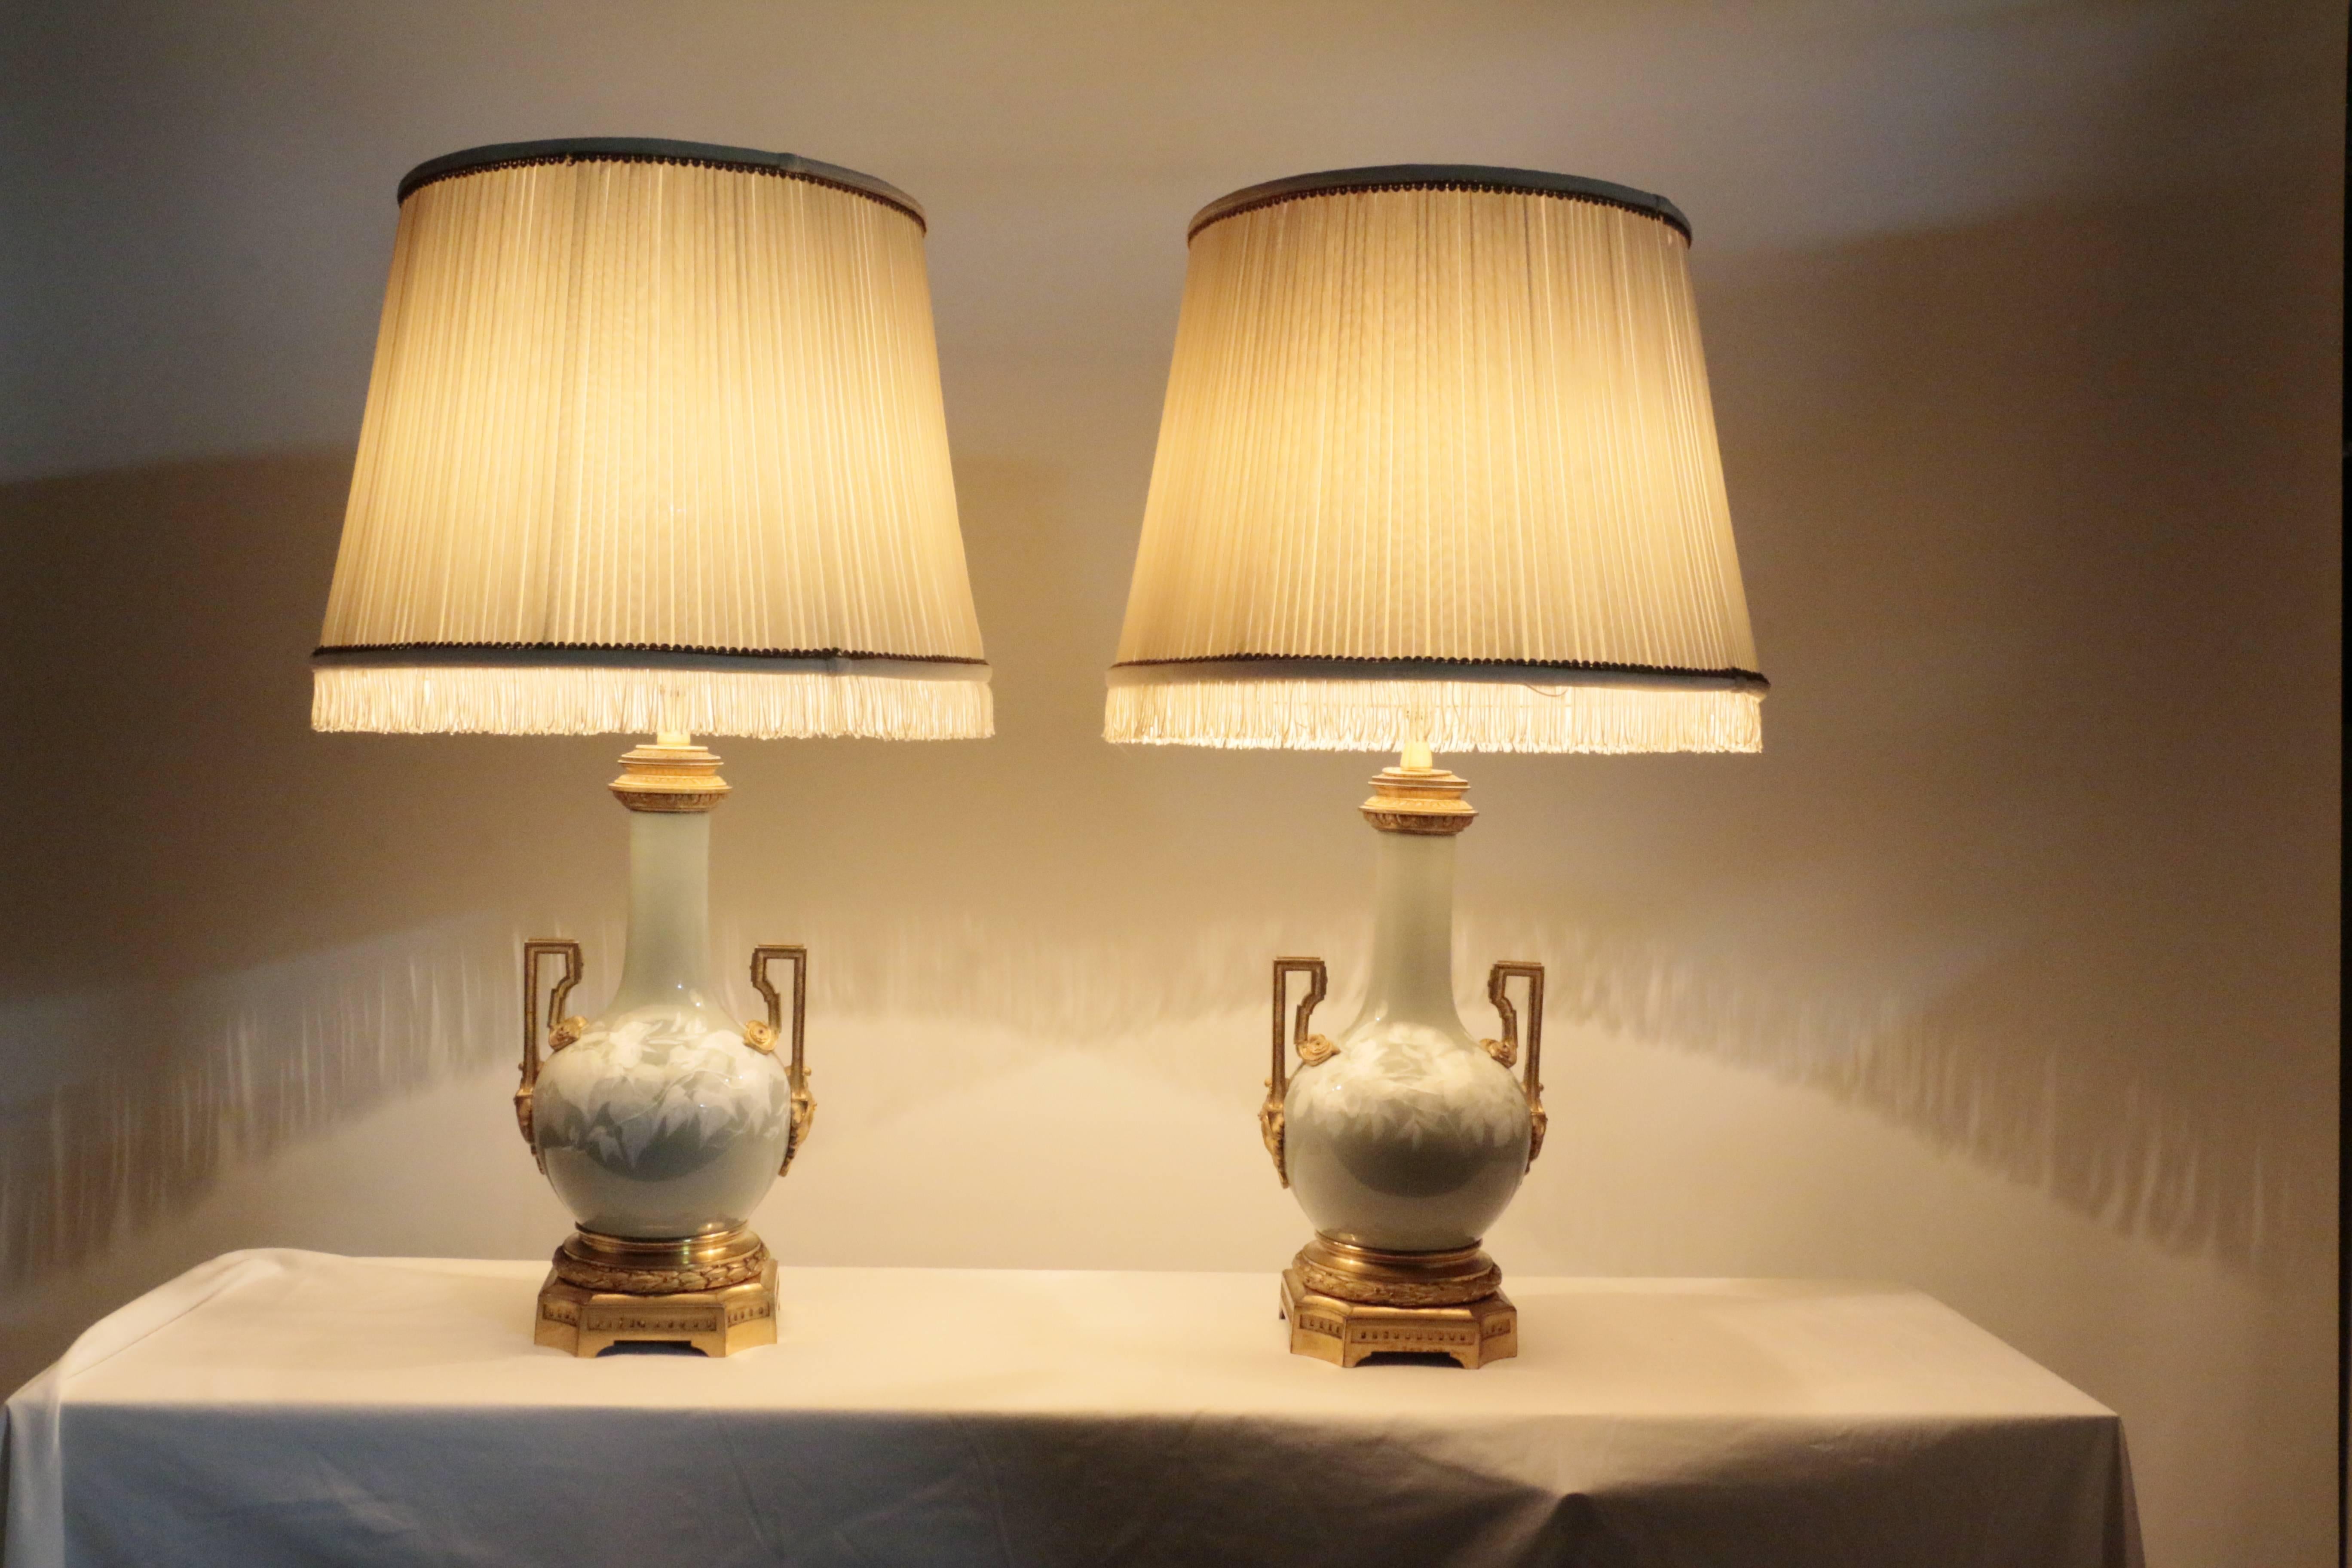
(653, 442)
(1437, 462)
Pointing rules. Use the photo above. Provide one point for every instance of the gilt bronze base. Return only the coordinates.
(716, 1293)
(1345, 1302)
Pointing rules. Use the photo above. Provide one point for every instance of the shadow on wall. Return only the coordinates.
(2054, 589)
(123, 1106)
(194, 976)
(2038, 865)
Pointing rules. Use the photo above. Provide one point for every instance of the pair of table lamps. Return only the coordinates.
(655, 444)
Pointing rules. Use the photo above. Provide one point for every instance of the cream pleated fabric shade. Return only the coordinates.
(1437, 462)
(653, 442)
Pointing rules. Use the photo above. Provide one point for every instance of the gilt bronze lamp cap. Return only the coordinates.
(1407, 799)
(669, 776)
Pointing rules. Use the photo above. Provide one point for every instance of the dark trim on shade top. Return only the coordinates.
(1538, 672)
(1439, 177)
(585, 655)
(656, 150)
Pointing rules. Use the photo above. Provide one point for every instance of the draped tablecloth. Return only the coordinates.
(294, 1407)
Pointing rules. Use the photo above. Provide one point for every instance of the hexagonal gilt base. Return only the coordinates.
(716, 1323)
(1345, 1332)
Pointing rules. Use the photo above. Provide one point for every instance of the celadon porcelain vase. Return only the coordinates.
(1405, 1137)
(662, 1122)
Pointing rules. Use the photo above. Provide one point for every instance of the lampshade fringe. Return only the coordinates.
(574, 701)
(1452, 716)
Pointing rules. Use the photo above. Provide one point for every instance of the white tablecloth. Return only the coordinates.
(293, 1408)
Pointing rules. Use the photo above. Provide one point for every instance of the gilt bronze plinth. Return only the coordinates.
(715, 1293)
(1345, 1302)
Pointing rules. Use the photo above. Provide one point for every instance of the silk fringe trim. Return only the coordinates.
(1450, 716)
(762, 705)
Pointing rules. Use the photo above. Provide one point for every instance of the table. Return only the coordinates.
(284, 1407)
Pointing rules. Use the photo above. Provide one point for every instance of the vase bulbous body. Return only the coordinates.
(1409, 1137)
(660, 1122)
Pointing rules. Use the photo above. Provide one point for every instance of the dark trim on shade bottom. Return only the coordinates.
(1554, 672)
(581, 655)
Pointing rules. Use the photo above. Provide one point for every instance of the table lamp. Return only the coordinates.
(654, 444)
(1436, 471)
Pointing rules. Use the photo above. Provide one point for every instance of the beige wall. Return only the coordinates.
(2007, 971)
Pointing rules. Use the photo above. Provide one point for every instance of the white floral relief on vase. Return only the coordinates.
(1408, 1139)
(1415, 1089)
(658, 1092)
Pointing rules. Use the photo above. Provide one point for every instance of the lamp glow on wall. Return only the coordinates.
(1437, 470)
(654, 444)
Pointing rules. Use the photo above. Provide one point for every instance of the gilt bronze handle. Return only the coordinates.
(1507, 1049)
(762, 1037)
(1312, 1049)
(562, 1030)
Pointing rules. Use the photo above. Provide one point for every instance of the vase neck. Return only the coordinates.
(1412, 931)
(669, 908)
